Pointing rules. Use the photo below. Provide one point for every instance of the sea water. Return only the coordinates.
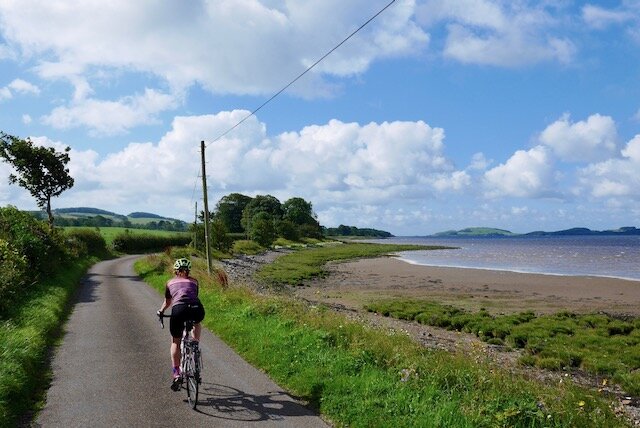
(607, 256)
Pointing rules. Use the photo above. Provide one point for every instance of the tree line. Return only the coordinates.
(261, 219)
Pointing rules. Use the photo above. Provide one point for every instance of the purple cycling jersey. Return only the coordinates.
(182, 290)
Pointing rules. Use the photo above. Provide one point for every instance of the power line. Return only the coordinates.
(301, 74)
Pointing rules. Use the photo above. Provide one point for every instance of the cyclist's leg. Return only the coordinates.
(175, 351)
(197, 315)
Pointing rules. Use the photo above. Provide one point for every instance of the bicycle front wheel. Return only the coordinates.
(191, 378)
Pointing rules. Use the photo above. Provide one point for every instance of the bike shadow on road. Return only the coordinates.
(225, 402)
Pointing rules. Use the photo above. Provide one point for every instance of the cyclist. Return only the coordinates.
(181, 293)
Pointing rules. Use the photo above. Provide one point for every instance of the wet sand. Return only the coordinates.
(356, 283)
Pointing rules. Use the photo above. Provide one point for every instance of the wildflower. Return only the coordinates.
(581, 403)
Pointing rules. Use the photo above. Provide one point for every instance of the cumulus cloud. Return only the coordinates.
(498, 33)
(18, 86)
(527, 174)
(228, 47)
(589, 140)
(332, 164)
(112, 117)
(618, 177)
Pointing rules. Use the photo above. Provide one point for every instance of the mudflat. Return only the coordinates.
(356, 283)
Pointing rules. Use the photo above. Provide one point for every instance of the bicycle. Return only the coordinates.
(190, 361)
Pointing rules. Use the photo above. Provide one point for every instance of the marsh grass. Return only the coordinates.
(596, 343)
(26, 333)
(363, 377)
(294, 268)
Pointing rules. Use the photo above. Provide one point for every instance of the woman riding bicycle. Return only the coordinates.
(181, 293)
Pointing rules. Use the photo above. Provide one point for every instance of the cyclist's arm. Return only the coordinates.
(167, 300)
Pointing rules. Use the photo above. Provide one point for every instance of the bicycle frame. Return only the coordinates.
(190, 361)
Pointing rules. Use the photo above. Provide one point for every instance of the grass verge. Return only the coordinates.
(294, 268)
(596, 343)
(363, 377)
(26, 333)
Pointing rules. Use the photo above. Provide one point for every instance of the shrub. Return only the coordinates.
(42, 247)
(93, 241)
(12, 274)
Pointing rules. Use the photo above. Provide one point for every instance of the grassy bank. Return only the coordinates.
(596, 343)
(26, 333)
(294, 268)
(358, 376)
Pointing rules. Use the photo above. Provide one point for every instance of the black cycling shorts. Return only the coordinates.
(182, 312)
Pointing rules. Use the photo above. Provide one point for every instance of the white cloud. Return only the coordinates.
(584, 141)
(112, 117)
(527, 174)
(18, 86)
(498, 33)
(219, 44)
(26, 119)
(332, 164)
(615, 177)
(599, 18)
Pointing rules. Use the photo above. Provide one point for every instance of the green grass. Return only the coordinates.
(599, 344)
(26, 333)
(362, 377)
(294, 268)
(109, 233)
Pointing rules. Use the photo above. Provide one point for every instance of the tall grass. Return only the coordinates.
(26, 333)
(364, 377)
(596, 343)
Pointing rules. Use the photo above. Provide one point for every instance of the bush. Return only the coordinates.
(12, 274)
(93, 242)
(43, 248)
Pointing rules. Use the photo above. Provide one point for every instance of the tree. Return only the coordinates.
(300, 212)
(40, 170)
(263, 230)
(261, 204)
(229, 210)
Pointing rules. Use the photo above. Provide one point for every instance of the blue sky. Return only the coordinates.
(521, 115)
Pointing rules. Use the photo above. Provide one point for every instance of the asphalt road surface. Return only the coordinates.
(113, 368)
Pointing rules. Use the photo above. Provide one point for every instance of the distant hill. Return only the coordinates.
(488, 232)
(145, 215)
(95, 217)
(475, 231)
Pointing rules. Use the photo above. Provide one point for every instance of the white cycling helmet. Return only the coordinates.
(182, 264)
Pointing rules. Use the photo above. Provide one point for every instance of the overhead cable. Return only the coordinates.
(301, 74)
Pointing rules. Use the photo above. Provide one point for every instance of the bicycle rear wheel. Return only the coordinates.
(191, 378)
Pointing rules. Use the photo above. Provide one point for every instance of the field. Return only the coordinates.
(109, 233)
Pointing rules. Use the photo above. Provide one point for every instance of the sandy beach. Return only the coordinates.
(356, 283)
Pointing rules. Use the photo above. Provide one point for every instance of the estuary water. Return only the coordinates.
(607, 256)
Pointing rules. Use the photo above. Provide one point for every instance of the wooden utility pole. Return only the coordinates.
(206, 210)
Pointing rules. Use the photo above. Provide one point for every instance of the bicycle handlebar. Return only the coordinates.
(161, 316)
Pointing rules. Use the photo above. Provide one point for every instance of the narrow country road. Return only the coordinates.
(112, 368)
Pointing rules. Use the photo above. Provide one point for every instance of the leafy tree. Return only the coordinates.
(229, 210)
(263, 230)
(261, 204)
(300, 212)
(40, 170)
(288, 230)
(220, 240)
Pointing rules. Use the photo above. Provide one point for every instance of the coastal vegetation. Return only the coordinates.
(361, 376)
(596, 343)
(296, 267)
